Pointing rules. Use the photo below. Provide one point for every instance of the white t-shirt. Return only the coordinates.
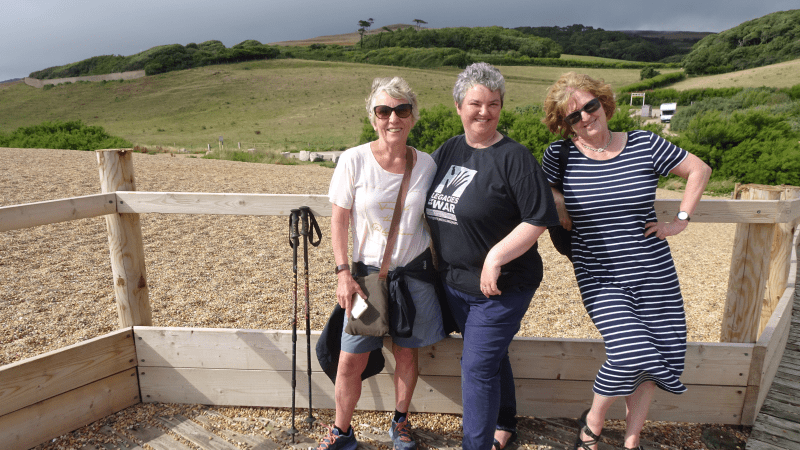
(361, 185)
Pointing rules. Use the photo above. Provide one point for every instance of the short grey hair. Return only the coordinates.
(398, 89)
(479, 73)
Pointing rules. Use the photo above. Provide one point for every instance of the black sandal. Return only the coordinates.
(511, 439)
(584, 428)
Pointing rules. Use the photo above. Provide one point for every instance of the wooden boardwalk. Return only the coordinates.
(208, 431)
(777, 425)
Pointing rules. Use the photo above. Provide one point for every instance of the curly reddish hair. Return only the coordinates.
(555, 104)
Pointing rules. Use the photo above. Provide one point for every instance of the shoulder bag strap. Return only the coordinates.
(398, 212)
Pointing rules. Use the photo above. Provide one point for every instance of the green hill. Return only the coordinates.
(281, 104)
(767, 40)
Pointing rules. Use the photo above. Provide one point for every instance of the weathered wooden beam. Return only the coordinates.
(32, 380)
(54, 211)
(125, 242)
(35, 424)
(749, 272)
(209, 203)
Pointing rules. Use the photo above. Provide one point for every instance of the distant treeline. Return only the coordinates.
(767, 40)
(486, 40)
(405, 47)
(586, 41)
(164, 58)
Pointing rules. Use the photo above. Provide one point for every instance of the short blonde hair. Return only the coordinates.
(398, 89)
(555, 104)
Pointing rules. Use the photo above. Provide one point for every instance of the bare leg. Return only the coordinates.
(405, 375)
(348, 386)
(637, 405)
(597, 416)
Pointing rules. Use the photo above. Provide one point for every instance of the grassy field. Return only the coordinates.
(782, 75)
(278, 104)
(284, 104)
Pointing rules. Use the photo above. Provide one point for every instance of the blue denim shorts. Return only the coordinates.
(427, 328)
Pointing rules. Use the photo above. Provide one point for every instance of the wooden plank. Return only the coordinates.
(54, 211)
(539, 398)
(746, 284)
(785, 410)
(213, 203)
(256, 441)
(157, 439)
(540, 358)
(48, 419)
(32, 380)
(783, 433)
(196, 434)
(767, 355)
(271, 388)
(220, 348)
(781, 261)
(712, 211)
(755, 444)
(733, 211)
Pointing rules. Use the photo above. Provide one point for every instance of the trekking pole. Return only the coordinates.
(307, 217)
(294, 242)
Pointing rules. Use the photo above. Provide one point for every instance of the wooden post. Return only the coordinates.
(749, 271)
(780, 259)
(125, 242)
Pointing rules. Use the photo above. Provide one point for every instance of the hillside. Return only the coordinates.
(284, 104)
(767, 40)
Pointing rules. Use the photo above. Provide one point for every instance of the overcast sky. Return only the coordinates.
(37, 34)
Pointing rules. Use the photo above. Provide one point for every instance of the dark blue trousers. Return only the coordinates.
(487, 382)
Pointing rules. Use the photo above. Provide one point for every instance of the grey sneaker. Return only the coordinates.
(401, 435)
(336, 441)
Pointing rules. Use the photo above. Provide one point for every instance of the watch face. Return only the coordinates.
(683, 215)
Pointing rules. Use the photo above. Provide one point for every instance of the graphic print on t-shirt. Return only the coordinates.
(445, 197)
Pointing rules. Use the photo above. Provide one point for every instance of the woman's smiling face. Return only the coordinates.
(392, 130)
(591, 125)
(480, 112)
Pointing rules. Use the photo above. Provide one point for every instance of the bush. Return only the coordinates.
(72, 135)
(648, 72)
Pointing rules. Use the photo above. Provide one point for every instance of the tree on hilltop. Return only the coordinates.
(419, 22)
(363, 27)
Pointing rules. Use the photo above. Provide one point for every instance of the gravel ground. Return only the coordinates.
(235, 271)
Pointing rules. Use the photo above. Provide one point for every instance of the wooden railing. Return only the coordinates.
(48, 395)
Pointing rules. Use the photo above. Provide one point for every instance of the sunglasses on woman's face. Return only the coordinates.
(590, 107)
(402, 111)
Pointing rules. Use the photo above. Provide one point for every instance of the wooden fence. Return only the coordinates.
(51, 394)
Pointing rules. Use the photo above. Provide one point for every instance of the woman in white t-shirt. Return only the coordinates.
(363, 191)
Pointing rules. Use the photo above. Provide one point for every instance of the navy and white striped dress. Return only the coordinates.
(627, 281)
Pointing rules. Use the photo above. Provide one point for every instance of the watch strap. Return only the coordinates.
(341, 267)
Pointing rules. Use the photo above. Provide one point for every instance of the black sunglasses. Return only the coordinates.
(590, 107)
(402, 111)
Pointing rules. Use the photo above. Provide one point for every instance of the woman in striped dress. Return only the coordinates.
(621, 259)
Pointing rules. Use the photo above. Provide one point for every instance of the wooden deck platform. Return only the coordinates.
(777, 426)
(205, 433)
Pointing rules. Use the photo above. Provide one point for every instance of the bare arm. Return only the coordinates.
(346, 285)
(519, 241)
(696, 173)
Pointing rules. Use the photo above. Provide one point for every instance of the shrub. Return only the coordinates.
(72, 135)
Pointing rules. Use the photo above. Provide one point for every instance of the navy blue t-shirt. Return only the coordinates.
(478, 196)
